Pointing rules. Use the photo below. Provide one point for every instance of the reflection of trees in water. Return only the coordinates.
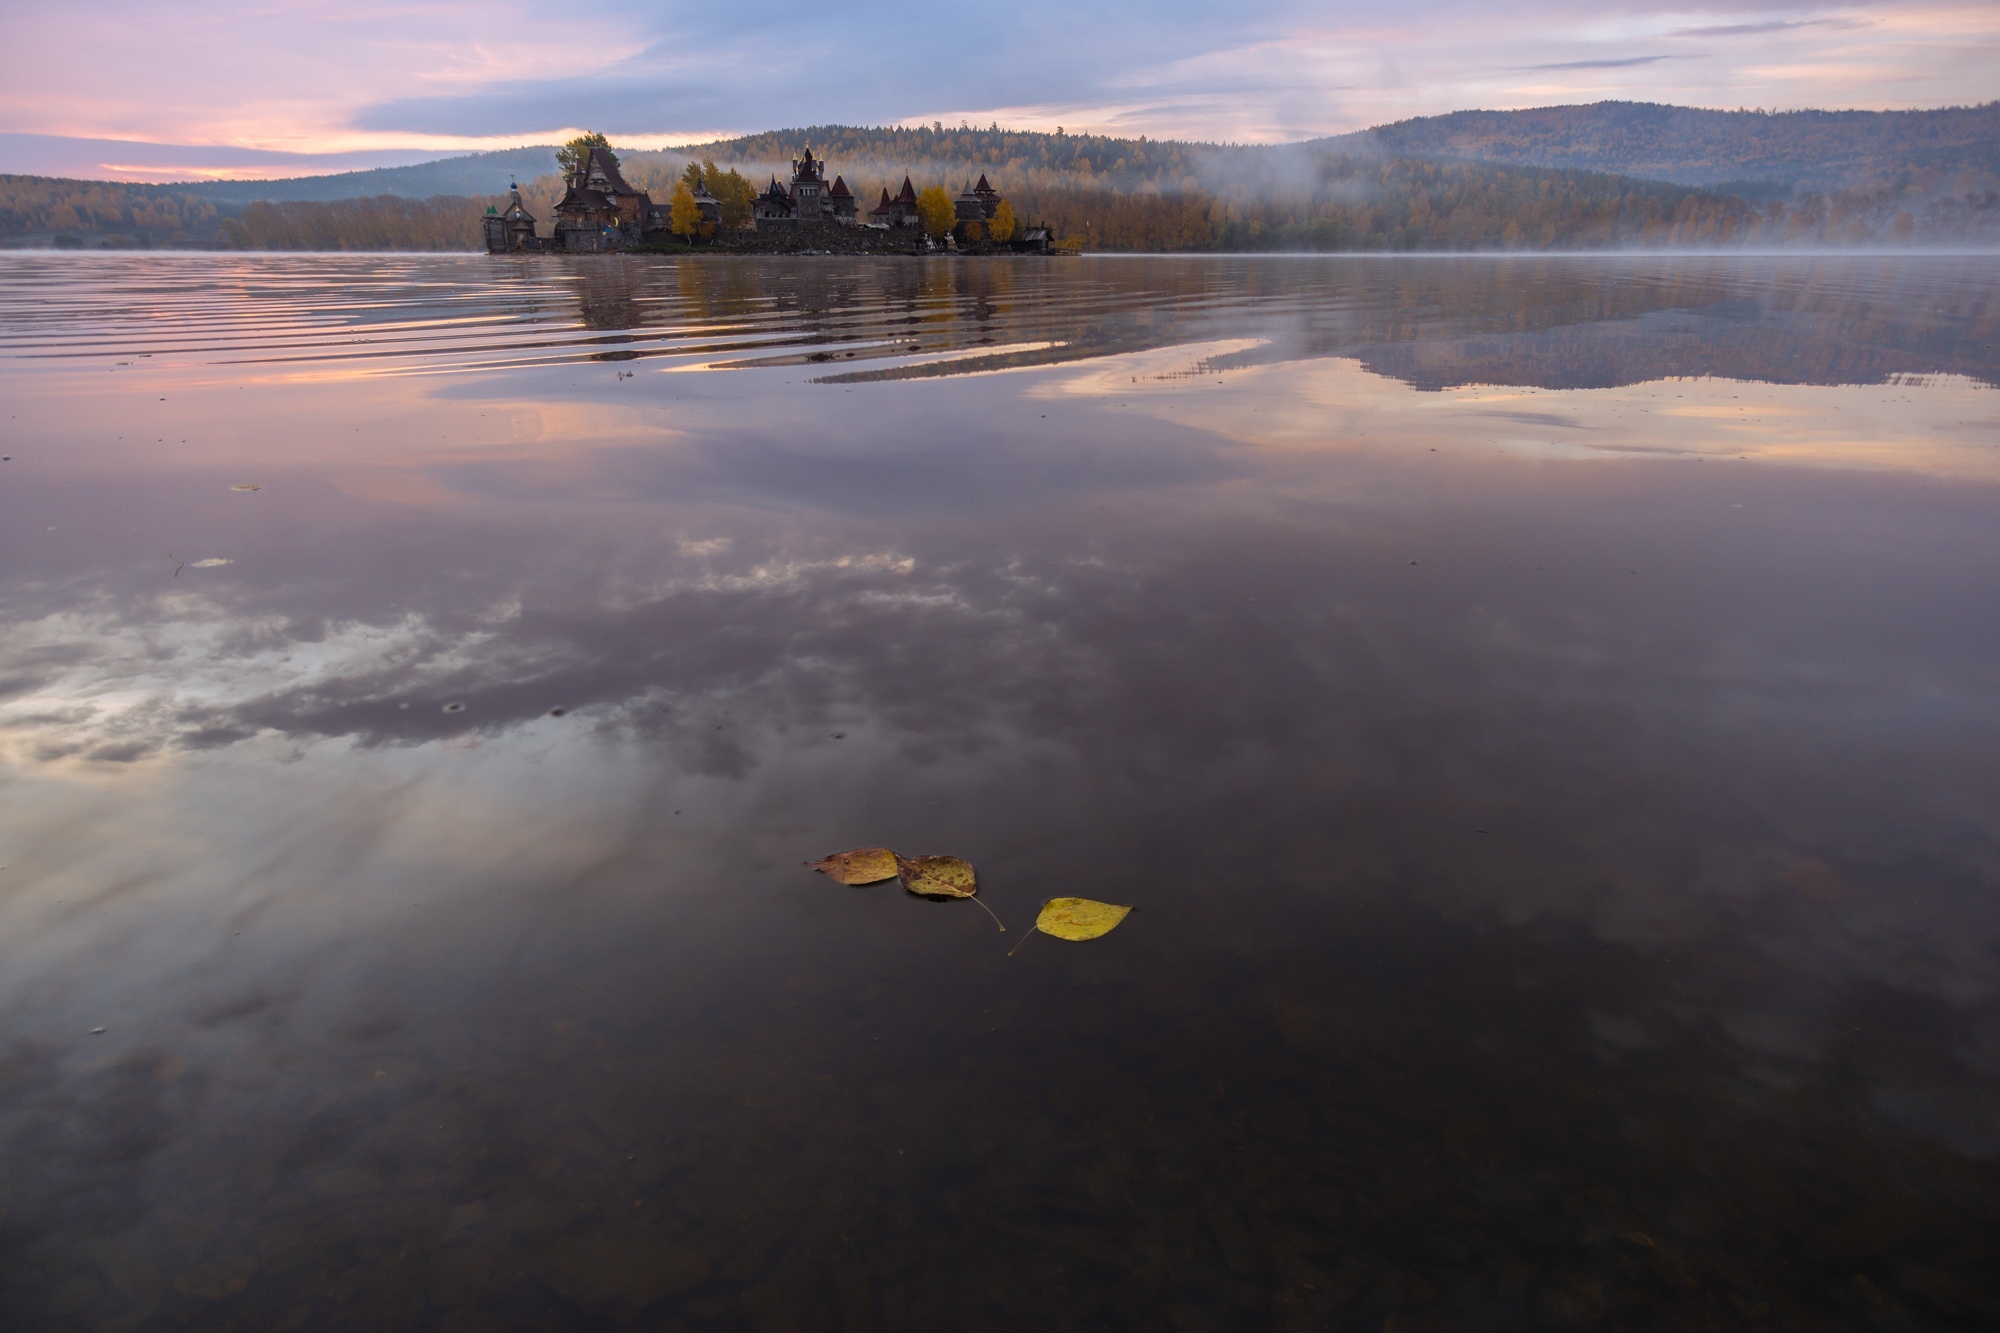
(1555, 323)
(937, 305)
(607, 296)
(1550, 325)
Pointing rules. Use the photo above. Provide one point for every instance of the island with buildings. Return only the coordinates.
(599, 212)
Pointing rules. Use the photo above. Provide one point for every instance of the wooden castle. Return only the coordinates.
(599, 211)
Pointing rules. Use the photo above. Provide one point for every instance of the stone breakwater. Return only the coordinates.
(815, 238)
(793, 238)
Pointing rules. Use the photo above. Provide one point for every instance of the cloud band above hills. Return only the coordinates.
(216, 87)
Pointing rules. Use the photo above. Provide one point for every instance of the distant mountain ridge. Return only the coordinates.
(1605, 175)
(1957, 147)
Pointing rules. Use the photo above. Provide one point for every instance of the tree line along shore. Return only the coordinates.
(1107, 194)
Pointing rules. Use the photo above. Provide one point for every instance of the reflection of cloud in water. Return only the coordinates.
(1355, 721)
(1517, 826)
(109, 687)
(1943, 425)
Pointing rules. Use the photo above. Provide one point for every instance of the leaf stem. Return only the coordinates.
(1032, 932)
(989, 911)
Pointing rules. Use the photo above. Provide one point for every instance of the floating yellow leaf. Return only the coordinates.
(1078, 918)
(938, 876)
(863, 865)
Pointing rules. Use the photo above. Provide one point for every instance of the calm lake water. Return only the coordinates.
(1546, 713)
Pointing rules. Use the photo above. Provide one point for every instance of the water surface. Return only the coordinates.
(1545, 711)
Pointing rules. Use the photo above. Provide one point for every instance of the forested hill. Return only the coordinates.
(938, 150)
(1774, 153)
(1444, 183)
(476, 173)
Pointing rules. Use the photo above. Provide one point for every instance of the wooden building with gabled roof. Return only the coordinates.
(898, 209)
(976, 203)
(513, 229)
(599, 211)
(774, 205)
(840, 201)
(705, 202)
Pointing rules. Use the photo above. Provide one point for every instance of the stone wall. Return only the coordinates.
(791, 238)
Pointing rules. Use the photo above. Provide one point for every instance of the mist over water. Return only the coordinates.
(1545, 712)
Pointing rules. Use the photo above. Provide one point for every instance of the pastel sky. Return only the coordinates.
(125, 90)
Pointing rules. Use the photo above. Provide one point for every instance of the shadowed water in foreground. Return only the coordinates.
(1546, 714)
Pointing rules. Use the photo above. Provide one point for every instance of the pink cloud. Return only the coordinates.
(375, 83)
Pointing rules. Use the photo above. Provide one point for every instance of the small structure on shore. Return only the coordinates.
(710, 206)
(898, 209)
(976, 203)
(513, 229)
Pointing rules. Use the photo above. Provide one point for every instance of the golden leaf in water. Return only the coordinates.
(938, 876)
(1078, 918)
(863, 865)
(246, 486)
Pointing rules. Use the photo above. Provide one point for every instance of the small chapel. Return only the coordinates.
(513, 229)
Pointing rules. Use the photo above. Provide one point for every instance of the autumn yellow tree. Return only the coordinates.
(934, 207)
(1002, 227)
(572, 156)
(732, 191)
(684, 217)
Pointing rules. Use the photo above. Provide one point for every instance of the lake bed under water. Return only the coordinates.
(1545, 711)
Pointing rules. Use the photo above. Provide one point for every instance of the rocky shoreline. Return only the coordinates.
(816, 238)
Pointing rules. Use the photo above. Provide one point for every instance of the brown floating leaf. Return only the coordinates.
(937, 876)
(863, 865)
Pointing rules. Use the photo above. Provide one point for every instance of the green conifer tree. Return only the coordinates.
(572, 156)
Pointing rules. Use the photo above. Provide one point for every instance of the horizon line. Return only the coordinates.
(451, 155)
